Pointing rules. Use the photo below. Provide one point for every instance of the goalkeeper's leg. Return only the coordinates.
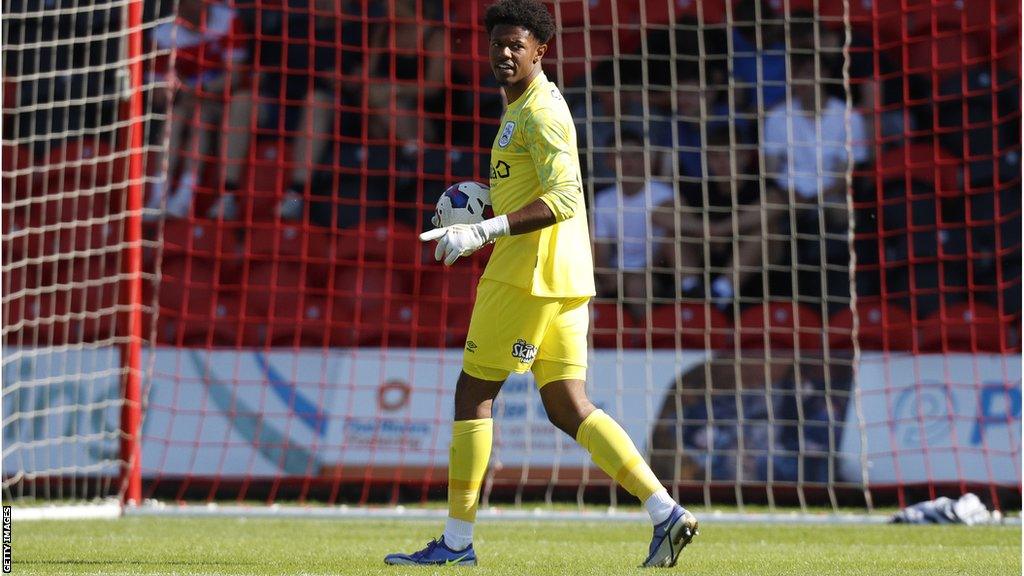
(569, 409)
(470, 450)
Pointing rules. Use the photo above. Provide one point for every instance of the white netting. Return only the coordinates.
(70, 136)
(701, 131)
(736, 156)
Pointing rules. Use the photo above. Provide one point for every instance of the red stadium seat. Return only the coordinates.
(882, 327)
(367, 291)
(23, 302)
(61, 209)
(707, 11)
(293, 244)
(201, 238)
(924, 163)
(371, 282)
(203, 313)
(965, 328)
(266, 281)
(457, 325)
(469, 54)
(341, 317)
(455, 285)
(19, 180)
(381, 241)
(830, 11)
(53, 324)
(184, 278)
(93, 297)
(369, 320)
(288, 240)
(946, 53)
(192, 322)
(612, 326)
(239, 324)
(263, 182)
(577, 48)
(780, 326)
(957, 15)
(297, 319)
(85, 164)
(689, 326)
(312, 329)
(411, 323)
(22, 240)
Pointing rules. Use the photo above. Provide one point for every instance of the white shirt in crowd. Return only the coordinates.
(812, 148)
(624, 220)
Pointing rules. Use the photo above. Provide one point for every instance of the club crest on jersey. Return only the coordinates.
(506, 134)
(524, 352)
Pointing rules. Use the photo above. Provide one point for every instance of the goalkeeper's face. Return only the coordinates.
(515, 54)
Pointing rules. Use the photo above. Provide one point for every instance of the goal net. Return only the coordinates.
(77, 126)
(805, 215)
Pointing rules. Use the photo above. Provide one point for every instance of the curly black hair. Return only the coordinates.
(530, 14)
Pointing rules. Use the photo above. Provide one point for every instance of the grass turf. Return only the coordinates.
(294, 546)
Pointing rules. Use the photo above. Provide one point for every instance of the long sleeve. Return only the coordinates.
(551, 142)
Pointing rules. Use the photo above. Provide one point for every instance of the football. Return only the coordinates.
(463, 203)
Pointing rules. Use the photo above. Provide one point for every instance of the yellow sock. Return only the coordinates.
(615, 453)
(467, 463)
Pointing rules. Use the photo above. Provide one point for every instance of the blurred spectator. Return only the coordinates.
(209, 68)
(806, 144)
(299, 64)
(732, 246)
(62, 71)
(758, 55)
(626, 243)
(405, 66)
(698, 108)
(695, 99)
(809, 143)
(405, 93)
(615, 97)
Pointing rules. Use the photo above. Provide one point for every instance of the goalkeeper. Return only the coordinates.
(531, 306)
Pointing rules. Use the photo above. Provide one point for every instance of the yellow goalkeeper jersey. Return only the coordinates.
(534, 156)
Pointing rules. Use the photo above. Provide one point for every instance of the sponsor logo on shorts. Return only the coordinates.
(524, 352)
(470, 346)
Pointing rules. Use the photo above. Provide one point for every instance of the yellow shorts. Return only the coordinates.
(513, 331)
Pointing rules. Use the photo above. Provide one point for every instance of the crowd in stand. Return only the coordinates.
(716, 155)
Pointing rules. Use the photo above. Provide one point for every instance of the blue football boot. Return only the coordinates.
(670, 537)
(435, 554)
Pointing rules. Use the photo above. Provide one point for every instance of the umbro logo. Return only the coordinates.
(470, 346)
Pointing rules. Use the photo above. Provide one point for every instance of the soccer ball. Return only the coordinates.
(463, 203)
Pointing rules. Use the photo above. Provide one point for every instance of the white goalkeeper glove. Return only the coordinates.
(463, 239)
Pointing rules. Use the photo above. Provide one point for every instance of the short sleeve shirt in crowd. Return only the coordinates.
(813, 147)
(624, 222)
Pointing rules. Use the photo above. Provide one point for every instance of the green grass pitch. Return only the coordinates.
(183, 546)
